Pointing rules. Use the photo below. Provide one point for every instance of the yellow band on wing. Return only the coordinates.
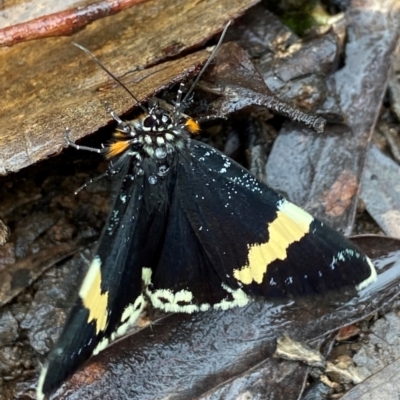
(92, 297)
(289, 226)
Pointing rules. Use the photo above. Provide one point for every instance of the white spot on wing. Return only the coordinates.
(129, 317)
(101, 346)
(146, 275)
(240, 299)
(371, 278)
(169, 301)
(39, 389)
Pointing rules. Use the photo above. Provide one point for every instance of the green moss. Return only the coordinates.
(298, 15)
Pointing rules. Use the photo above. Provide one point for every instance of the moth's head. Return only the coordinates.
(158, 133)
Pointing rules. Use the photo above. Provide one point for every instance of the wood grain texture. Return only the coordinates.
(48, 84)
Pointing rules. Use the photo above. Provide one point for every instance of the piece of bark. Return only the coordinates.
(240, 85)
(49, 84)
(23, 273)
(62, 23)
(321, 173)
(380, 191)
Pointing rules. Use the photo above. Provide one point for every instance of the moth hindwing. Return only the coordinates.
(191, 230)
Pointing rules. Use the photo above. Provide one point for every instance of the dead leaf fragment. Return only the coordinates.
(340, 196)
(292, 350)
(347, 332)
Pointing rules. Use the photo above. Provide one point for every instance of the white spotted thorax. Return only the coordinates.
(158, 135)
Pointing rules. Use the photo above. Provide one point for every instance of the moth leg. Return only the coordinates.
(92, 180)
(70, 143)
(110, 170)
(210, 117)
(122, 126)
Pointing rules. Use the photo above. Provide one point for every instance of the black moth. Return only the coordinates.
(198, 232)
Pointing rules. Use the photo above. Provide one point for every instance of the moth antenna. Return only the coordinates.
(98, 62)
(205, 66)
